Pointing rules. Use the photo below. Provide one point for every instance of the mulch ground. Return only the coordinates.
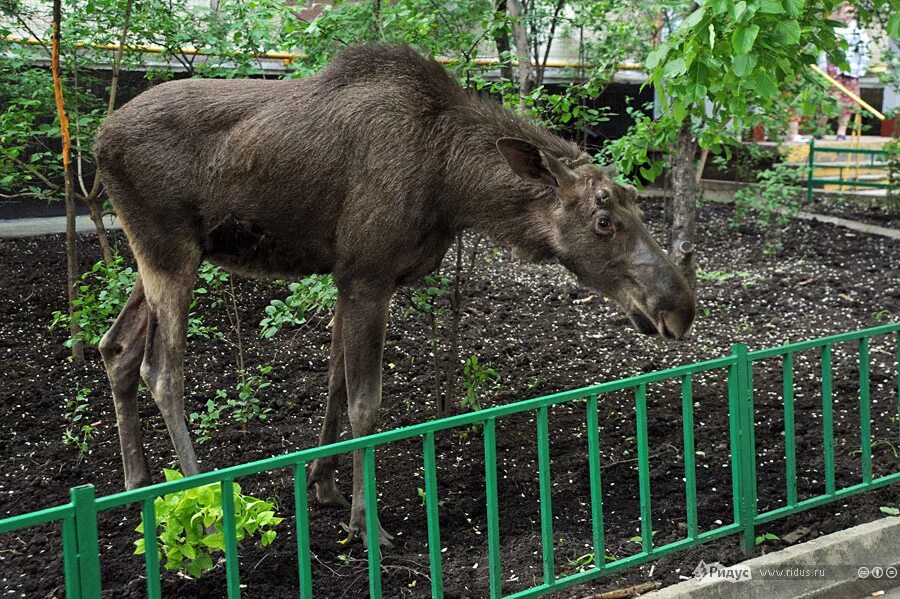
(542, 333)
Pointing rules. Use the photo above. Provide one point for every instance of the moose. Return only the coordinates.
(367, 170)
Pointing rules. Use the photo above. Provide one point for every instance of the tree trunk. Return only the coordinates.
(523, 50)
(71, 247)
(684, 203)
(501, 39)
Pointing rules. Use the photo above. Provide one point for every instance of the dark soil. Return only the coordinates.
(542, 333)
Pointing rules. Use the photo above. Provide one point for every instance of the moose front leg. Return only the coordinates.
(363, 329)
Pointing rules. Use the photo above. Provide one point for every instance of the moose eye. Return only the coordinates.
(604, 225)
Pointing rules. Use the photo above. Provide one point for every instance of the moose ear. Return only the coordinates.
(526, 160)
(609, 170)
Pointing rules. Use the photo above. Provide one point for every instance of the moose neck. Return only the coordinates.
(487, 195)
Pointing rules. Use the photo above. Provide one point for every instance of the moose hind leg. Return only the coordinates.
(122, 348)
(322, 475)
(168, 299)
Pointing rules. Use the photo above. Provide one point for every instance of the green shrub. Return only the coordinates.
(315, 293)
(104, 290)
(186, 518)
(771, 202)
(475, 377)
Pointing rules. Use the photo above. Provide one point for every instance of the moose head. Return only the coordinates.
(597, 232)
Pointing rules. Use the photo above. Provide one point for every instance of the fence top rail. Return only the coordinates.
(849, 150)
(37, 518)
(419, 430)
(772, 352)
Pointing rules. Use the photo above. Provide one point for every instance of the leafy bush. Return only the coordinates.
(771, 202)
(187, 517)
(103, 292)
(315, 293)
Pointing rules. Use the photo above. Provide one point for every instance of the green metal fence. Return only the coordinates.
(812, 180)
(78, 518)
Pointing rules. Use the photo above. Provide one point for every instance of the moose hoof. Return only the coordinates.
(357, 530)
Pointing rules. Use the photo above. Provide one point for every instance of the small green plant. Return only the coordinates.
(475, 377)
(206, 423)
(190, 525)
(771, 202)
(246, 406)
(585, 562)
(766, 538)
(422, 496)
(882, 315)
(890, 511)
(313, 294)
(78, 433)
(637, 538)
(880, 443)
(426, 299)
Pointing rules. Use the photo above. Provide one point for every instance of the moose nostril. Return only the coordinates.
(676, 322)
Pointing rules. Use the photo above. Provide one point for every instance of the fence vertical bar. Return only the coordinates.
(827, 420)
(70, 558)
(810, 171)
(643, 450)
(543, 447)
(742, 438)
(790, 445)
(593, 438)
(431, 510)
(373, 528)
(493, 508)
(690, 456)
(84, 500)
(151, 548)
(897, 351)
(865, 418)
(301, 517)
(229, 526)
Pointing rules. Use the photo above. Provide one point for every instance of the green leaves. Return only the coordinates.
(787, 33)
(184, 520)
(794, 7)
(743, 38)
(694, 18)
(315, 294)
(737, 10)
(765, 85)
(675, 67)
(743, 64)
(656, 56)
(772, 7)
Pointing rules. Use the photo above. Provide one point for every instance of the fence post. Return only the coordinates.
(740, 389)
(83, 499)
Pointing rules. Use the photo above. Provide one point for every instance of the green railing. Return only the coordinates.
(811, 180)
(78, 518)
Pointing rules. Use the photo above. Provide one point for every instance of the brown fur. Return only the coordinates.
(368, 170)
